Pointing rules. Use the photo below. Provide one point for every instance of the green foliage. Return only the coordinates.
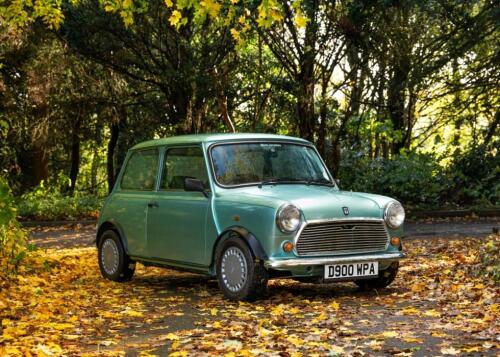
(20, 13)
(418, 180)
(474, 177)
(48, 203)
(13, 242)
(391, 79)
(414, 179)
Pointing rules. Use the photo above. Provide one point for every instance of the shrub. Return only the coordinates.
(48, 203)
(418, 180)
(414, 179)
(13, 240)
(474, 177)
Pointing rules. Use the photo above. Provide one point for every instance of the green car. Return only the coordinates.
(245, 208)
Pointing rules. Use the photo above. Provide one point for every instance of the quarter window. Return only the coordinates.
(181, 163)
(140, 173)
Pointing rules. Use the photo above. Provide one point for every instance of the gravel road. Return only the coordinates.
(83, 235)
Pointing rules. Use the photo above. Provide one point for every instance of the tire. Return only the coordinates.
(114, 263)
(240, 277)
(386, 277)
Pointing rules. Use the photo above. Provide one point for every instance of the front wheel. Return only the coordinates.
(239, 276)
(114, 263)
(385, 278)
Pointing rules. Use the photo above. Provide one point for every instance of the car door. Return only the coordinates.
(177, 219)
(130, 203)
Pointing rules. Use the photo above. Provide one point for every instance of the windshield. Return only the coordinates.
(267, 163)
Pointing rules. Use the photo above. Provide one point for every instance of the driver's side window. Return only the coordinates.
(181, 163)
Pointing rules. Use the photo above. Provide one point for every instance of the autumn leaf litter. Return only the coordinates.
(441, 303)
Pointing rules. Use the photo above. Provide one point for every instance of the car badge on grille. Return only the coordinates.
(346, 210)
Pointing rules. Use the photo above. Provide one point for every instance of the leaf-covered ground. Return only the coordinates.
(440, 304)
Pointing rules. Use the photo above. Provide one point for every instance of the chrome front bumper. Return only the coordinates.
(295, 262)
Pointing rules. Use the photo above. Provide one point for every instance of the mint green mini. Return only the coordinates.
(245, 208)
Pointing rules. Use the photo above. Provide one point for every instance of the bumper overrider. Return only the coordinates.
(297, 262)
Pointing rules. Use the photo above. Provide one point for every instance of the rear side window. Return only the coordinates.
(181, 163)
(140, 173)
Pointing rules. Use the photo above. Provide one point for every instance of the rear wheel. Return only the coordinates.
(385, 278)
(239, 276)
(114, 263)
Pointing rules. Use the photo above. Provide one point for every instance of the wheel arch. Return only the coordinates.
(111, 225)
(248, 237)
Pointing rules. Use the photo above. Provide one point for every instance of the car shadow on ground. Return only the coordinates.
(185, 283)
(325, 290)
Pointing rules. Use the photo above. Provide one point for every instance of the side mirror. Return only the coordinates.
(192, 184)
(337, 181)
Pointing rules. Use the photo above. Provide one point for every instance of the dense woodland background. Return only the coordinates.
(400, 97)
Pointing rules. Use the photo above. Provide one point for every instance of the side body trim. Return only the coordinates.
(168, 263)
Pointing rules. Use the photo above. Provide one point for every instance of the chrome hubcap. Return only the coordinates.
(110, 257)
(234, 269)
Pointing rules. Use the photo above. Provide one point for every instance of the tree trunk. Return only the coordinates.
(110, 156)
(359, 69)
(39, 141)
(93, 169)
(305, 95)
(410, 119)
(396, 105)
(40, 162)
(380, 140)
(336, 148)
(222, 102)
(75, 158)
(396, 98)
(492, 129)
(323, 113)
(257, 96)
(305, 107)
(336, 157)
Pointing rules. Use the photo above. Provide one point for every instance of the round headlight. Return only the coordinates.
(288, 218)
(394, 214)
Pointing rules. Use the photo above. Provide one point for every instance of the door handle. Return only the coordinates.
(153, 204)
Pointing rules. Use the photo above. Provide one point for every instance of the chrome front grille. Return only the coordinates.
(342, 237)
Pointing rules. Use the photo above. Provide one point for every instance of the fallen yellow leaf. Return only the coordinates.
(133, 313)
(171, 336)
(335, 305)
(432, 313)
(449, 351)
(390, 334)
(410, 311)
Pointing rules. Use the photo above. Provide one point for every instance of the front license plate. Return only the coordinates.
(351, 270)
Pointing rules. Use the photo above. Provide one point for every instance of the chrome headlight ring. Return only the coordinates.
(394, 214)
(288, 218)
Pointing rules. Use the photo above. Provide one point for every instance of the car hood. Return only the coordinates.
(316, 202)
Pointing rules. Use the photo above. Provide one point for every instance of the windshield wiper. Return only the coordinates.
(280, 180)
(276, 181)
(286, 180)
(321, 182)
